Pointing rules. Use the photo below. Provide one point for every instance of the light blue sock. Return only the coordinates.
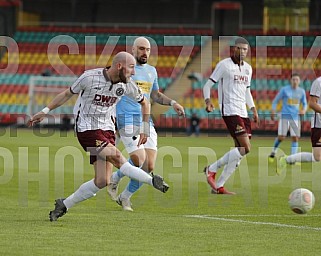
(276, 145)
(131, 188)
(118, 175)
(294, 147)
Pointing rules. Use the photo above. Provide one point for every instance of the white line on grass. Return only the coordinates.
(260, 215)
(252, 222)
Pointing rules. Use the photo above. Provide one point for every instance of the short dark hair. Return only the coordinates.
(295, 74)
(241, 40)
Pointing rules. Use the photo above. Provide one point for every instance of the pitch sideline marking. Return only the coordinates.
(252, 222)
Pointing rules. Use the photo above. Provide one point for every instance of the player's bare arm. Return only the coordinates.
(273, 115)
(59, 100)
(256, 118)
(207, 92)
(145, 123)
(162, 99)
(313, 103)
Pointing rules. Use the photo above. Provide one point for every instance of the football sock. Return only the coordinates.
(131, 188)
(85, 191)
(294, 147)
(227, 172)
(118, 175)
(300, 157)
(229, 156)
(276, 145)
(136, 173)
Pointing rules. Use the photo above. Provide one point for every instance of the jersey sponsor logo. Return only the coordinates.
(104, 100)
(293, 101)
(241, 79)
(119, 91)
(144, 86)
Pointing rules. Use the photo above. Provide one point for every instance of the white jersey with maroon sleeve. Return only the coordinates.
(233, 81)
(96, 104)
(316, 91)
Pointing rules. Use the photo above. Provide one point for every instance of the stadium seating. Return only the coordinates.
(38, 48)
(65, 51)
(269, 76)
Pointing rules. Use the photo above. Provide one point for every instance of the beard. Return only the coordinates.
(122, 76)
(142, 60)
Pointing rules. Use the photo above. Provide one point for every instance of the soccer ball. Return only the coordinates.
(301, 200)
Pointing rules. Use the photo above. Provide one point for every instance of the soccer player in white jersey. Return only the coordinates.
(315, 156)
(99, 91)
(292, 97)
(234, 78)
(129, 120)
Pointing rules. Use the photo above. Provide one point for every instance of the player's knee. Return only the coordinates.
(281, 138)
(151, 166)
(118, 155)
(138, 158)
(117, 159)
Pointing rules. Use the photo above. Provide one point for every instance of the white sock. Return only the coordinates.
(116, 177)
(135, 173)
(229, 156)
(85, 191)
(300, 157)
(227, 172)
(126, 194)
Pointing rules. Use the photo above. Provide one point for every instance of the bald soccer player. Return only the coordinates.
(98, 92)
(130, 119)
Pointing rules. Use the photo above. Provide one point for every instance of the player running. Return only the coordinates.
(315, 156)
(234, 78)
(292, 96)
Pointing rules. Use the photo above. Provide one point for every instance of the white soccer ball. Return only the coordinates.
(301, 200)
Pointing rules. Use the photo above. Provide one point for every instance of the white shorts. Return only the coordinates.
(293, 125)
(130, 137)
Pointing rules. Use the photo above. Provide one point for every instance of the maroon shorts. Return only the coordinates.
(94, 141)
(316, 137)
(238, 126)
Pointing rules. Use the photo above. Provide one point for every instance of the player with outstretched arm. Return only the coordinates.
(98, 92)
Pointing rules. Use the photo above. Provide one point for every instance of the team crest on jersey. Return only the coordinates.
(239, 129)
(119, 91)
(98, 143)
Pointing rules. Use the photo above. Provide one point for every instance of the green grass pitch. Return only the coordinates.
(38, 166)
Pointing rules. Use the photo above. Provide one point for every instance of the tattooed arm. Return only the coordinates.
(162, 99)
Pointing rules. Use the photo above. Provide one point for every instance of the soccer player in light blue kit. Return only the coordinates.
(292, 96)
(308, 157)
(129, 123)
